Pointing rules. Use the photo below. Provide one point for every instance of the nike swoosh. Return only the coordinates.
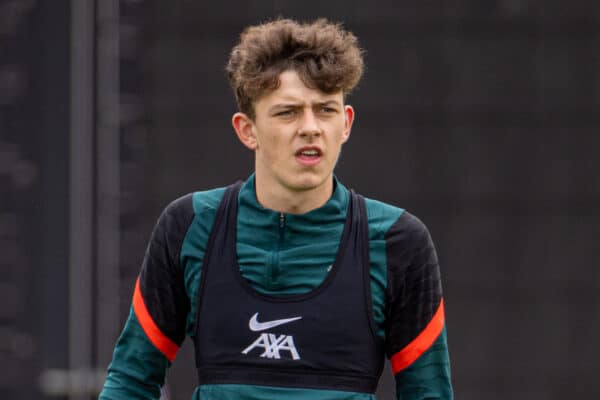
(261, 326)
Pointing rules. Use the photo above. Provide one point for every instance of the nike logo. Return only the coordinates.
(261, 326)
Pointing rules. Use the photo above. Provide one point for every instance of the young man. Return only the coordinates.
(290, 285)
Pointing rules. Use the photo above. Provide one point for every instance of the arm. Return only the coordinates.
(138, 369)
(155, 328)
(416, 334)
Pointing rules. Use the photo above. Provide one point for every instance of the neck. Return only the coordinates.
(287, 200)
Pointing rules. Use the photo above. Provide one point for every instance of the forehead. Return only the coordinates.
(292, 90)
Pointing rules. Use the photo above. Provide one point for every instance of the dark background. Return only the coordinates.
(481, 117)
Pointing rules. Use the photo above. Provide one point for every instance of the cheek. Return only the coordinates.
(270, 148)
(272, 141)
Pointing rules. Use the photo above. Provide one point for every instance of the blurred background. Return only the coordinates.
(481, 117)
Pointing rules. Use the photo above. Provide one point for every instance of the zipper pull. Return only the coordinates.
(281, 220)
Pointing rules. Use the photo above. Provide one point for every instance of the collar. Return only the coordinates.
(334, 209)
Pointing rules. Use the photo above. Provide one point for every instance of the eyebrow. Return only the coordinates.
(300, 105)
(328, 103)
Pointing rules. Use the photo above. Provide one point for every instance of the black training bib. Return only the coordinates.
(324, 339)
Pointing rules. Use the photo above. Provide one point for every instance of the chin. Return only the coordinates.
(308, 182)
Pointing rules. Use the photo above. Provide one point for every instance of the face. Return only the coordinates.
(297, 135)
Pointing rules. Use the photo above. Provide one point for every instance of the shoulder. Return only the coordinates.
(409, 228)
(381, 215)
(184, 208)
(177, 217)
(408, 239)
(207, 200)
(389, 220)
(402, 231)
(179, 209)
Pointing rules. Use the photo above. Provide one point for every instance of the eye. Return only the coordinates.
(328, 110)
(285, 113)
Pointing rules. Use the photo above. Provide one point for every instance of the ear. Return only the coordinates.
(348, 121)
(244, 128)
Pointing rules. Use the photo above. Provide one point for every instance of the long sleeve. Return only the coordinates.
(156, 325)
(138, 369)
(415, 330)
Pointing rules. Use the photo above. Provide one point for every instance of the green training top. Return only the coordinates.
(284, 254)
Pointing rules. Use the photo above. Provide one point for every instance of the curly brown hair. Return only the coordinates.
(323, 53)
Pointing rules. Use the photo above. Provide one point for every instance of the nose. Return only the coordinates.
(309, 125)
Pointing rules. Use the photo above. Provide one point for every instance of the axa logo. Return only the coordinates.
(272, 345)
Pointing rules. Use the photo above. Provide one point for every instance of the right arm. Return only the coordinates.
(156, 325)
(138, 368)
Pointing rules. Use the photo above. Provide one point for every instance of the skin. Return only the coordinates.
(288, 119)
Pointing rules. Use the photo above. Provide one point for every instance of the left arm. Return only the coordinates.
(415, 329)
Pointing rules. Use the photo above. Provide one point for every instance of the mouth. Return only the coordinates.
(309, 156)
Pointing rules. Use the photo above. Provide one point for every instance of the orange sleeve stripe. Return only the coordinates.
(158, 339)
(409, 354)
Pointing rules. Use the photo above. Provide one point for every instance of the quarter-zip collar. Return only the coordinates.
(281, 242)
(264, 218)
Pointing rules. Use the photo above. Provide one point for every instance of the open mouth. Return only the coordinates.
(309, 155)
